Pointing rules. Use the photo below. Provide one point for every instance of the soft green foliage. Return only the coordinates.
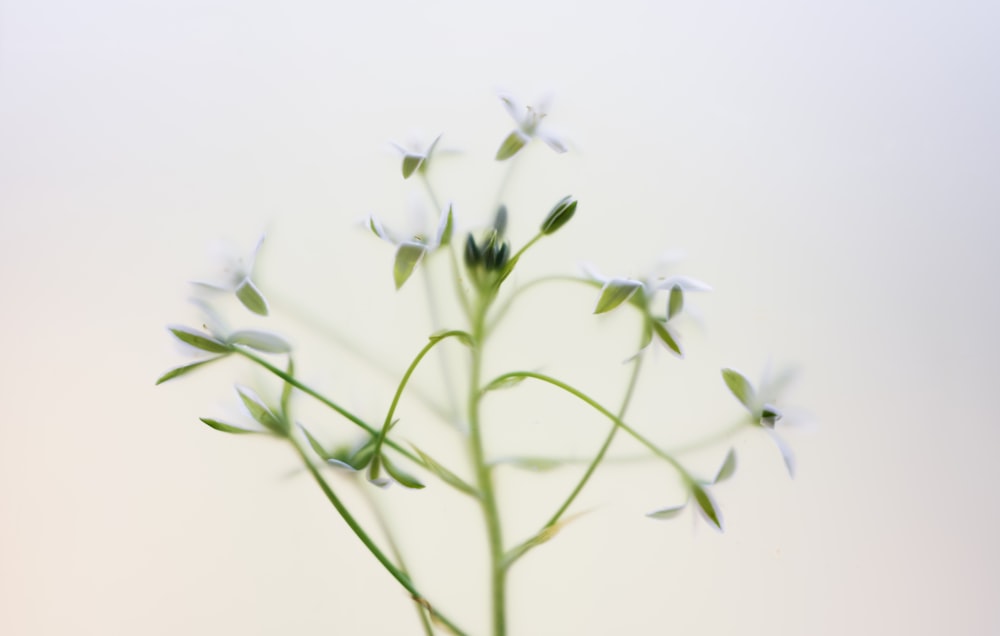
(475, 270)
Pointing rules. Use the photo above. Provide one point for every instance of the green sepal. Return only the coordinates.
(665, 336)
(667, 513)
(260, 412)
(615, 292)
(446, 227)
(407, 257)
(374, 474)
(560, 215)
(227, 428)
(740, 387)
(511, 145)
(363, 456)
(708, 508)
(264, 341)
(728, 467)
(769, 414)
(675, 303)
(410, 164)
(187, 368)
(444, 474)
(200, 340)
(252, 299)
(405, 479)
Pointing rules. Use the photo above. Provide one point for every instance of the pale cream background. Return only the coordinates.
(829, 167)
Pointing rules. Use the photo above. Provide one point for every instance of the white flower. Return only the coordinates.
(528, 120)
(416, 159)
(237, 275)
(410, 252)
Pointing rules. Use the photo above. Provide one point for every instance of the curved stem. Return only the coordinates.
(377, 552)
(503, 309)
(600, 409)
(629, 391)
(406, 378)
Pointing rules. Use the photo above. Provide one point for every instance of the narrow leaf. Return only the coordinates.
(667, 513)
(314, 444)
(740, 387)
(251, 297)
(199, 340)
(444, 474)
(410, 164)
(543, 536)
(286, 390)
(615, 292)
(445, 228)
(260, 340)
(407, 257)
(511, 145)
(361, 457)
(375, 472)
(706, 505)
(226, 428)
(259, 411)
(187, 368)
(405, 479)
(728, 467)
(507, 382)
(665, 335)
(675, 304)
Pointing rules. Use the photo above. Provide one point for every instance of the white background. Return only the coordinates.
(830, 168)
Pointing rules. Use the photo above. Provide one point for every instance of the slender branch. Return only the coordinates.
(387, 424)
(326, 401)
(505, 307)
(377, 552)
(626, 400)
(600, 409)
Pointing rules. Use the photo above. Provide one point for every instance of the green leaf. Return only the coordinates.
(667, 513)
(728, 467)
(259, 411)
(410, 164)
(615, 292)
(364, 455)
(226, 428)
(511, 145)
(740, 387)
(559, 215)
(706, 505)
(199, 340)
(666, 336)
(407, 257)
(543, 536)
(251, 297)
(260, 340)
(507, 382)
(187, 368)
(675, 304)
(405, 479)
(444, 474)
(314, 444)
(462, 336)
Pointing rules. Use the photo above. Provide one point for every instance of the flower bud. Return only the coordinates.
(472, 255)
(560, 215)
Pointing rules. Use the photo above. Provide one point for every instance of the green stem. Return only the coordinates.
(629, 391)
(377, 552)
(327, 402)
(600, 409)
(503, 309)
(484, 477)
(406, 378)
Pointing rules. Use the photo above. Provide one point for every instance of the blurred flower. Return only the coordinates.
(528, 120)
(416, 159)
(411, 251)
(236, 278)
